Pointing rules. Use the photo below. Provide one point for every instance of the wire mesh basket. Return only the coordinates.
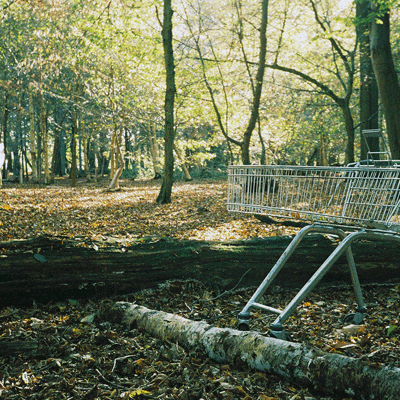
(341, 196)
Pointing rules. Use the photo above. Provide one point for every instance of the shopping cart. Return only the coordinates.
(352, 203)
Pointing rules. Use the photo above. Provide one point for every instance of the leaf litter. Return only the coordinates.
(65, 351)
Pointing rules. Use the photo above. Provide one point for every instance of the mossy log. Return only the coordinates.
(54, 268)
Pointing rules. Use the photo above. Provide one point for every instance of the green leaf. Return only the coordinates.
(40, 258)
(139, 392)
(391, 329)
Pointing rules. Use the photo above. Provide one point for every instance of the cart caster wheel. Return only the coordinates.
(243, 327)
(349, 318)
(354, 318)
(282, 335)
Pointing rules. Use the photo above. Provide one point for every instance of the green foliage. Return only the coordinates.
(107, 57)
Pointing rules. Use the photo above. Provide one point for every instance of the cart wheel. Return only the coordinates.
(283, 335)
(243, 327)
(349, 318)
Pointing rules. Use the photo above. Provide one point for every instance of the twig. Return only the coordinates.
(119, 359)
(108, 381)
(220, 295)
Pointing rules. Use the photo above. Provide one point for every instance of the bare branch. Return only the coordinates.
(9, 4)
(325, 89)
(336, 46)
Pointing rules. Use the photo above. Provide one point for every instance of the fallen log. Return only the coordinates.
(54, 268)
(300, 364)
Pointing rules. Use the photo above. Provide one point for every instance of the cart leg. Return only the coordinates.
(244, 316)
(361, 311)
(277, 326)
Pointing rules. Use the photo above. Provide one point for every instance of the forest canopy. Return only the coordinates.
(82, 84)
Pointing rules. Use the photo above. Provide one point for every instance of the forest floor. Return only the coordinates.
(71, 353)
(198, 211)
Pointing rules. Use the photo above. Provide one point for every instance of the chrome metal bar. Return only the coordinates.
(245, 313)
(266, 308)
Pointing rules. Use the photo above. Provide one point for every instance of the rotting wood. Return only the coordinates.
(304, 365)
(54, 268)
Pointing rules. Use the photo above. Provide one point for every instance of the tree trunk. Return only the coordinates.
(386, 77)
(164, 196)
(74, 135)
(369, 107)
(300, 364)
(258, 85)
(114, 184)
(117, 161)
(48, 268)
(183, 163)
(5, 135)
(43, 129)
(55, 159)
(153, 151)
(85, 154)
(349, 124)
(2, 158)
(263, 159)
(114, 150)
(32, 137)
(323, 149)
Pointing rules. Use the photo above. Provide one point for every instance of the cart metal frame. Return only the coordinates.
(352, 203)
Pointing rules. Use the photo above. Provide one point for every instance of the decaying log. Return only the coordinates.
(55, 268)
(304, 365)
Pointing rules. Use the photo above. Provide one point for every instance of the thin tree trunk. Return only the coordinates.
(32, 137)
(323, 150)
(164, 196)
(117, 166)
(263, 159)
(85, 155)
(43, 129)
(349, 124)
(56, 158)
(2, 158)
(153, 151)
(369, 96)
(113, 146)
(74, 133)
(183, 163)
(114, 184)
(387, 79)
(5, 134)
(258, 85)
(300, 364)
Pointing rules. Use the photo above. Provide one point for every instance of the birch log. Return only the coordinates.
(304, 365)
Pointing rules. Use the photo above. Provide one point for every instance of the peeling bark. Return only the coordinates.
(295, 362)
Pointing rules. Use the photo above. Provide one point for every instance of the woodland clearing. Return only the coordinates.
(71, 352)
